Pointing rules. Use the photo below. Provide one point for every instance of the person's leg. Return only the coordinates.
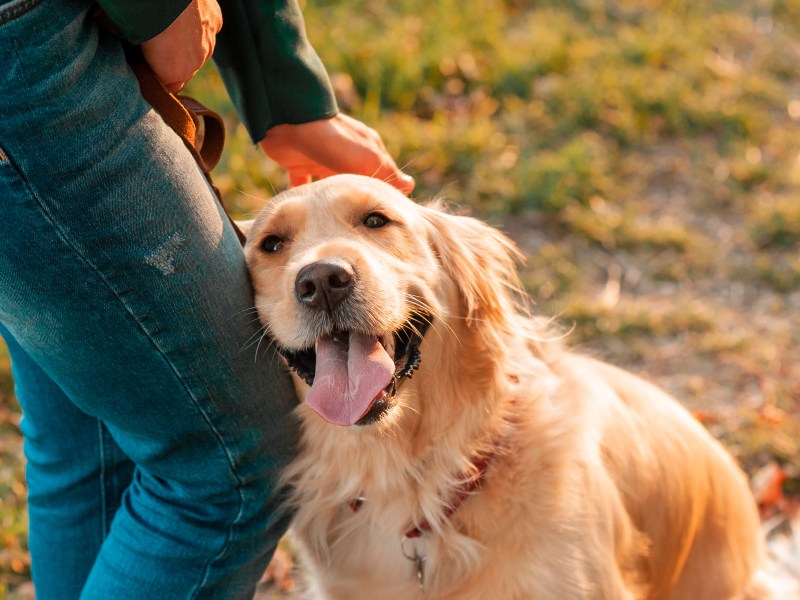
(76, 474)
(121, 279)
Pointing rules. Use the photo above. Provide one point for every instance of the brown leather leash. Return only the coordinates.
(201, 129)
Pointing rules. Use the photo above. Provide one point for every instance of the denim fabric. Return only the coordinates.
(153, 436)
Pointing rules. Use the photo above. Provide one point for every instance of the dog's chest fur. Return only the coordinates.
(351, 553)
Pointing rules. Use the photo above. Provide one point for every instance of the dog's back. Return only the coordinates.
(679, 487)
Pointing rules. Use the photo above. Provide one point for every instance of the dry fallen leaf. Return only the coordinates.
(279, 571)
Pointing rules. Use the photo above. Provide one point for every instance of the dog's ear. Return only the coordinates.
(245, 226)
(481, 262)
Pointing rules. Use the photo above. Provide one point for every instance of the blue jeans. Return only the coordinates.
(153, 435)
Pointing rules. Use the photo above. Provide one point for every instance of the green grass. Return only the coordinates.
(643, 155)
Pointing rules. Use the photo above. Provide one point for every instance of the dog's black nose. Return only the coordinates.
(324, 284)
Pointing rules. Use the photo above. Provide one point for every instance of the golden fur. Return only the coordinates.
(602, 486)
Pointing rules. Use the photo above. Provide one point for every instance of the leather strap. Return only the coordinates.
(201, 129)
(480, 463)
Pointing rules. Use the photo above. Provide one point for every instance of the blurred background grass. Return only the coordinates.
(644, 154)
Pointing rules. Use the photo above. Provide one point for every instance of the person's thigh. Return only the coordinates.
(76, 475)
(121, 279)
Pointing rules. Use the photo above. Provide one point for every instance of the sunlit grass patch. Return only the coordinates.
(775, 222)
(638, 317)
(781, 271)
(551, 274)
(760, 437)
(629, 226)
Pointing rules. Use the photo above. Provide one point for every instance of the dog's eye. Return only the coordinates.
(271, 243)
(375, 220)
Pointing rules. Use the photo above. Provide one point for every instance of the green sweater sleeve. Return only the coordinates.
(139, 21)
(269, 68)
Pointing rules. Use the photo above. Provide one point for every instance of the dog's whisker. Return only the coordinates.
(258, 331)
(257, 311)
(261, 339)
(255, 339)
(253, 196)
(395, 176)
(250, 309)
(409, 162)
(378, 168)
(272, 345)
(256, 319)
(437, 322)
(272, 187)
(438, 325)
(249, 341)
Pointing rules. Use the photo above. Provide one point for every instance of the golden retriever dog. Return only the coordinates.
(452, 448)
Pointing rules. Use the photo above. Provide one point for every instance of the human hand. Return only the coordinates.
(327, 147)
(178, 52)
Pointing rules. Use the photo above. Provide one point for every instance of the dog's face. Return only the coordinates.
(346, 285)
(349, 275)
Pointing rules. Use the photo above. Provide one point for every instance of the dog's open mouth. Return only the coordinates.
(354, 376)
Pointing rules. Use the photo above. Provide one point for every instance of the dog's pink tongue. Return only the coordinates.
(347, 381)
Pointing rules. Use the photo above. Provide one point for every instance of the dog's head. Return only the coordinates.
(356, 283)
